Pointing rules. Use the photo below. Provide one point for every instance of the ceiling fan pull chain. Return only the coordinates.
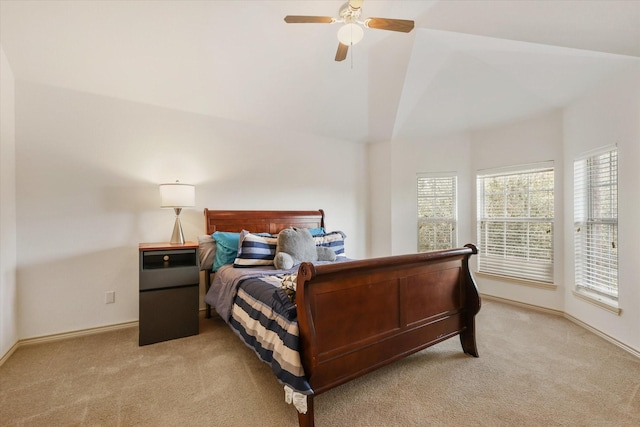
(352, 49)
(351, 29)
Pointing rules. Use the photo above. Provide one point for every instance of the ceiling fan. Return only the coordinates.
(351, 32)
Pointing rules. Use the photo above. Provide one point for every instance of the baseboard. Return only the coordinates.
(72, 334)
(603, 335)
(570, 318)
(66, 335)
(79, 333)
(523, 304)
(8, 354)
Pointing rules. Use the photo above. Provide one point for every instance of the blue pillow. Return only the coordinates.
(317, 231)
(226, 248)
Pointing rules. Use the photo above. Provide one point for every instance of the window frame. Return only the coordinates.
(508, 259)
(594, 264)
(435, 220)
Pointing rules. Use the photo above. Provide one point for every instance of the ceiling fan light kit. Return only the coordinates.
(352, 32)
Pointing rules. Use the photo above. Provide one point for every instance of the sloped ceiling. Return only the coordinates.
(457, 82)
(468, 64)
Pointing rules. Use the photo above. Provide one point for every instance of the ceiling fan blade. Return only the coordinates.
(341, 54)
(401, 25)
(293, 19)
(355, 4)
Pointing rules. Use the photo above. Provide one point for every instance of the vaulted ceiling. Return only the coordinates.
(466, 65)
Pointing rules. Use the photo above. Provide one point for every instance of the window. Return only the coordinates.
(515, 222)
(596, 224)
(436, 212)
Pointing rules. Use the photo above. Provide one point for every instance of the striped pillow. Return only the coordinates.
(255, 249)
(333, 240)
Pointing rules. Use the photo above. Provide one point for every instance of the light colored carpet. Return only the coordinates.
(534, 369)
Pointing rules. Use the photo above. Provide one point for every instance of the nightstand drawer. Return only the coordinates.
(168, 268)
(167, 314)
(153, 260)
(168, 278)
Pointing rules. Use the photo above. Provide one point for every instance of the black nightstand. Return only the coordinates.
(169, 291)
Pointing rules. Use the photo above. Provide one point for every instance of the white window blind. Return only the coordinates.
(515, 222)
(437, 214)
(596, 223)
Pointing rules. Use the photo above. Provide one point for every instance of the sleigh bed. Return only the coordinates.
(349, 317)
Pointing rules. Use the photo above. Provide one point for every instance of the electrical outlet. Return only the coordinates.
(110, 297)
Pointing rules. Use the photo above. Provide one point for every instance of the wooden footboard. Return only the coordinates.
(357, 316)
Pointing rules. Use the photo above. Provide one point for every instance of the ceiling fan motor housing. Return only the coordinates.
(349, 14)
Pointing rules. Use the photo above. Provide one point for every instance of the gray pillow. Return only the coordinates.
(206, 252)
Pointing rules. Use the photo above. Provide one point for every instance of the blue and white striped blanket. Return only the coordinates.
(262, 315)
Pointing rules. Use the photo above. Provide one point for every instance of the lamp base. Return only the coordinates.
(177, 238)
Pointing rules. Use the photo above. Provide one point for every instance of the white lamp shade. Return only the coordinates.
(350, 34)
(177, 195)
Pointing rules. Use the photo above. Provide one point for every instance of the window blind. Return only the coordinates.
(596, 223)
(515, 222)
(437, 214)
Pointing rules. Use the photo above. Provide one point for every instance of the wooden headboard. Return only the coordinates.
(261, 221)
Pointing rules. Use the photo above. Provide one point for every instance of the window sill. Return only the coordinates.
(524, 282)
(598, 301)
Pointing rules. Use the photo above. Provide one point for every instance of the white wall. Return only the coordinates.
(434, 155)
(8, 297)
(87, 173)
(87, 169)
(609, 115)
(379, 172)
(532, 140)
(536, 139)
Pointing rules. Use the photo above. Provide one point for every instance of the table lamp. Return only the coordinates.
(177, 196)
